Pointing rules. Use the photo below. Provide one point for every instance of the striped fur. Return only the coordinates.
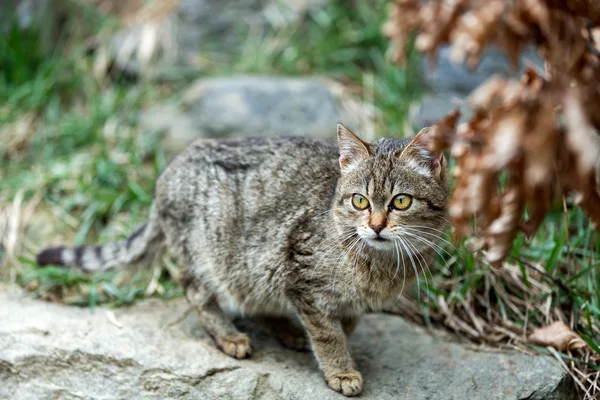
(267, 227)
(143, 243)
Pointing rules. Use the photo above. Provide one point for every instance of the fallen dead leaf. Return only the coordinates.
(557, 335)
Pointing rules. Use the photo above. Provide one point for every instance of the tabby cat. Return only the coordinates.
(289, 230)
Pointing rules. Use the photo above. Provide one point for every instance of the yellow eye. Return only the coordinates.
(402, 202)
(359, 202)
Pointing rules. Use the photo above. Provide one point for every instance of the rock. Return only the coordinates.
(55, 351)
(188, 26)
(246, 106)
(41, 18)
(444, 76)
(434, 106)
(450, 84)
(199, 20)
(25, 13)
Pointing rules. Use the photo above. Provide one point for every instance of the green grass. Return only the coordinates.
(70, 148)
(77, 169)
(88, 172)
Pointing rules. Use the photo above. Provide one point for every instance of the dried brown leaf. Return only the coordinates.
(530, 143)
(557, 335)
(403, 19)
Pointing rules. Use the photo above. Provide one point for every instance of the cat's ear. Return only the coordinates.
(352, 148)
(418, 150)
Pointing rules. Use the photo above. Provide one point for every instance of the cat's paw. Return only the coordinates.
(286, 332)
(294, 341)
(349, 383)
(237, 346)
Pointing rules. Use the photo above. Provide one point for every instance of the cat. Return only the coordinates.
(290, 228)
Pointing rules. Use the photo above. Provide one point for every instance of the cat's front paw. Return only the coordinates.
(237, 346)
(349, 383)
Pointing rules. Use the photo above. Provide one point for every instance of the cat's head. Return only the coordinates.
(392, 194)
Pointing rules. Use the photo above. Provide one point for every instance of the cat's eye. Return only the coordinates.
(402, 202)
(359, 202)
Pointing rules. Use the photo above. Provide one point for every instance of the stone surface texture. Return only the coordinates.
(177, 37)
(51, 351)
(247, 106)
(450, 84)
(445, 76)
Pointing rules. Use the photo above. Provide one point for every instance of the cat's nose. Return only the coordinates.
(377, 227)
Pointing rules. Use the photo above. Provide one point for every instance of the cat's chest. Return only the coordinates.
(367, 286)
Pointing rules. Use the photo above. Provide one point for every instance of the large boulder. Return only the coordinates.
(449, 84)
(52, 351)
(246, 106)
(169, 41)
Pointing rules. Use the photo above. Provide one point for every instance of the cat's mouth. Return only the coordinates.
(380, 243)
(376, 241)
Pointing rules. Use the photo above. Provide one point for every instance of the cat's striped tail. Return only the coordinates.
(143, 243)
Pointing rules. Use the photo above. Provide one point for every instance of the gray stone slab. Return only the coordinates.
(61, 352)
(250, 106)
(435, 106)
(204, 25)
(445, 76)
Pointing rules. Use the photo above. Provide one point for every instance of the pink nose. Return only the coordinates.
(377, 227)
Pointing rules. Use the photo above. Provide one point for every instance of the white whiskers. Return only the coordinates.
(344, 258)
(409, 253)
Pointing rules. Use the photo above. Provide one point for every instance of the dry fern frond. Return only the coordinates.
(529, 141)
(560, 31)
(515, 155)
(404, 18)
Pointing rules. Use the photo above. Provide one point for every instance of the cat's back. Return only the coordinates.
(233, 208)
(258, 157)
(252, 181)
(237, 155)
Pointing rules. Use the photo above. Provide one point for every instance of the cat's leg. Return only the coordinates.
(330, 347)
(349, 324)
(213, 320)
(283, 329)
